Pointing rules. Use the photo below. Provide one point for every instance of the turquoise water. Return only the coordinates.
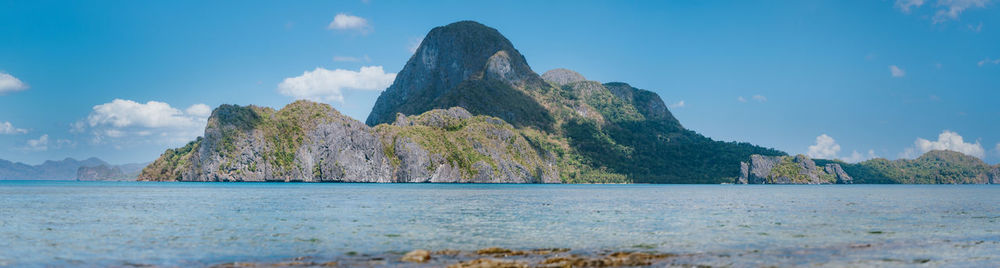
(193, 224)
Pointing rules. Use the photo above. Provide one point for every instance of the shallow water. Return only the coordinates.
(193, 224)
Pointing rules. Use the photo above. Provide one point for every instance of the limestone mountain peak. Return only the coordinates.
(457, 56)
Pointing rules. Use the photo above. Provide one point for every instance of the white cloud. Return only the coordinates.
(351, 59)
(348, 22)
(953, 8)
(988, 61)
(126, 113)
(199, 110)
(896, 71)
(905, 5)
(157, 121)
(858, 157)
(326, 85)
(947, 140)
(8, 128)
(741, 99)
(679, 104)
(40, 144)
(9, 83)
(825, 148)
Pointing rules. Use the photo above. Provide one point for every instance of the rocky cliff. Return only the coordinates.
(312, 142)
(790, 170)
(468, 65)
(995, 175)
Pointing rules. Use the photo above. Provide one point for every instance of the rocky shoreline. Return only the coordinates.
(483, 258)
(495, 257)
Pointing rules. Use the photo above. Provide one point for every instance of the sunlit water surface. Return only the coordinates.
(194, 224)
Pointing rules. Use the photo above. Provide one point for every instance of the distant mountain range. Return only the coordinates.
(466, 107)
(69, 169)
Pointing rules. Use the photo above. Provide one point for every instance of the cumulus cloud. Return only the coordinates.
(9, 83)
(679, 104)
(199, 110)
(988, 61)
(905, 5)
(8, 128)
(741, 99)
(858, 157)
(153, 120)
(40, 144)
(348, 22)
(126, 113)
(951, 9)
(896, 71)
(825, 148)
(947, 140)
(328, 85)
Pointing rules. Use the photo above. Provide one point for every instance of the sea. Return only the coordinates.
(56, 223)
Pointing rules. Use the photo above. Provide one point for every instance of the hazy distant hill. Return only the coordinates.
(104, 172)
(69, 169)
(49, 170)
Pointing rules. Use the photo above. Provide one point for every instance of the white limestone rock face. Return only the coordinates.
(312, 142)
(789, 170)
(560, 76)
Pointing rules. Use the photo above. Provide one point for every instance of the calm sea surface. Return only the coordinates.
(194, 224)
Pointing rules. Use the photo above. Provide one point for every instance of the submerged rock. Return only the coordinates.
(417, 256)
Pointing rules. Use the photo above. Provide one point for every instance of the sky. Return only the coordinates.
(852, 80)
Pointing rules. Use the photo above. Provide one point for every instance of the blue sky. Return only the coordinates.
(124, 80)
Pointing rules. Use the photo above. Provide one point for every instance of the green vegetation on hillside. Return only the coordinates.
(640, 145)
(170, 166)
(934, 167)
(466, 141)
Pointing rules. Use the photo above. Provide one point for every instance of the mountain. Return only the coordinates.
(466, 107)
(934, 167)
(465, 64)
(790, 170)
(104, 172)
(312, 142)
(49, 170)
